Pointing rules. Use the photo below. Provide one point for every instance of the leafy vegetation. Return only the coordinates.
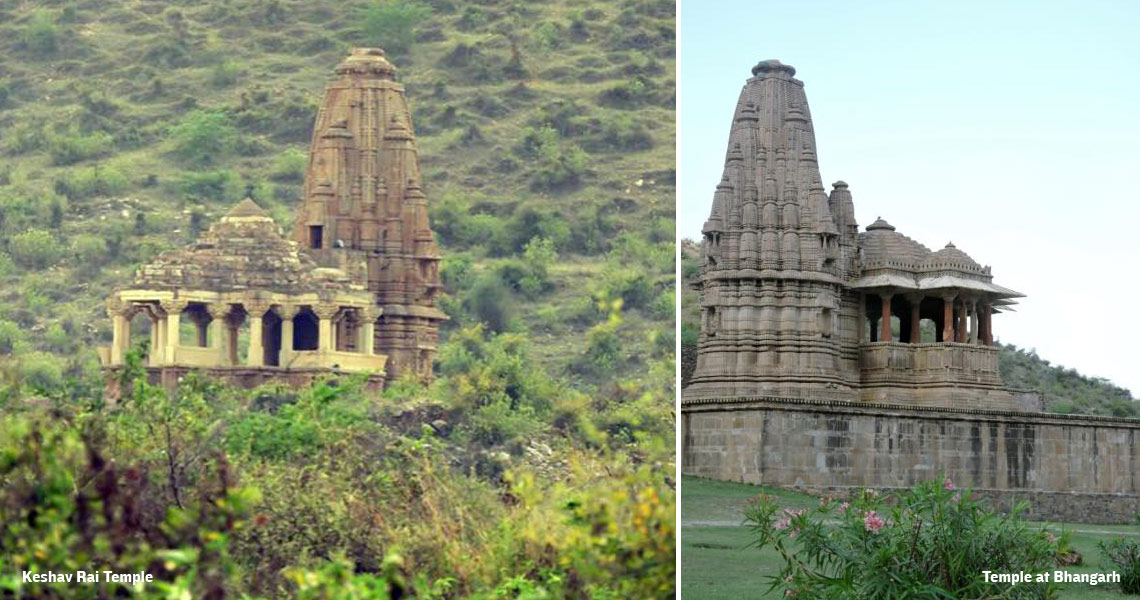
(535, 466)
(906, 546)
(494, 480)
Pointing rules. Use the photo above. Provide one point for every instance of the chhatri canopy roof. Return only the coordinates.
(893, 260)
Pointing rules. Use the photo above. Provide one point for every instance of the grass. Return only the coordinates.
(133, 70)
(717, 562)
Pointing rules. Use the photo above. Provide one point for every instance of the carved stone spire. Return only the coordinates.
(363, 199)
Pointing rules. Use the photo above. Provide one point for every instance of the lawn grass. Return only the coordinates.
(717, 561)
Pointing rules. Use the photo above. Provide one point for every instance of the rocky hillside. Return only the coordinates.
(545, 129)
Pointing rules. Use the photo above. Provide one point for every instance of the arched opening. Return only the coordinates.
(306, 328)
(271, 339)
(139, 336)
(194, 326)
(238, 325)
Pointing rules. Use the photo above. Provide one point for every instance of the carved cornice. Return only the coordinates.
(325, 312)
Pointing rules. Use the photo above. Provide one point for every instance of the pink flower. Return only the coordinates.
(1052, 538)
(782, 524)
(843, 508)
(873, 522)
(948, 485)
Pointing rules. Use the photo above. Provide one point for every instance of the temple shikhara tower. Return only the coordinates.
(796, 302)
(355, 288)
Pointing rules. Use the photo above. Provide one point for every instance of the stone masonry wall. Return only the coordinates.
(1072, 467)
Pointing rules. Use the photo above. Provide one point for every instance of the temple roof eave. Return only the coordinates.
(945, 283)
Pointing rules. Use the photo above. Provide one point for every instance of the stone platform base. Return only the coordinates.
(244, 377)
(1073, 467)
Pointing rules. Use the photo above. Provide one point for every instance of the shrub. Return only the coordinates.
(204, 137)
(603, 345)
(41, 371)
(557, 163)
(623, 132)
(1125, 554)
(225, 73)
(223, 185)
(290, 166)
(393, 24)
(11, 337)
(490, 302)
(34, 249)
(41, 34)
(68, 149)
(910, 546)
(93, 181)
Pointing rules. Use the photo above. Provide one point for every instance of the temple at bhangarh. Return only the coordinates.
(830, 357)
(796, 301)
(353, 290)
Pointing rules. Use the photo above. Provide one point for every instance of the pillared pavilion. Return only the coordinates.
(353, 290)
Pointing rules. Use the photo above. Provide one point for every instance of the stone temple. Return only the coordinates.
(831, 358)
(353, 290)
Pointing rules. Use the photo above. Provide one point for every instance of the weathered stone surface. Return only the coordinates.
(363, 201)
(1068, 463)
(799, 379)
(354, 290)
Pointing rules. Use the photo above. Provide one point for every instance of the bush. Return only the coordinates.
(603, 345)
(34, 249)
(204, 137)
(910, 546)
(41, 34)
(223, 185)
(490, 303)
(225, 73)
(11, 337)
(41, 371)
(69, 149)
(1125, 554)
(393, 24)
(93, 181)
(290, 166)
(557, 163)
(90, 251)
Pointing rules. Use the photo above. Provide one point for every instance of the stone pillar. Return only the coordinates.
(915, 318)
(948, 318)
(973, 321)
(960, 322)
(120, 332)
(325, 313)
(255, 357)
(862, 317)
(218, 313)
(987, 325)
(156, 325)
(173, 310)
(286, 312)
(885, 334)
(368, 330)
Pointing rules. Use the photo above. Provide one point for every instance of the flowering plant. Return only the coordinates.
(930, 541)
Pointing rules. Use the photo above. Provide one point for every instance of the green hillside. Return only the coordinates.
(1066, 390)
(128, 127)
(540, 462)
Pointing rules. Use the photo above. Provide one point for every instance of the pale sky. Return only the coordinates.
(1011, 130)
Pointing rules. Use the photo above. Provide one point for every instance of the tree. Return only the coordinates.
(393, 24)
(204, 137)
(34, 248)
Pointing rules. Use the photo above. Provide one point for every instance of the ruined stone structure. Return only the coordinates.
(830, 357)
(355, 288)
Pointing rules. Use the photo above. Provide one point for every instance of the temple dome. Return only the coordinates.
(951, 257)
(772, 65)
(883, 246)
(242, 251)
